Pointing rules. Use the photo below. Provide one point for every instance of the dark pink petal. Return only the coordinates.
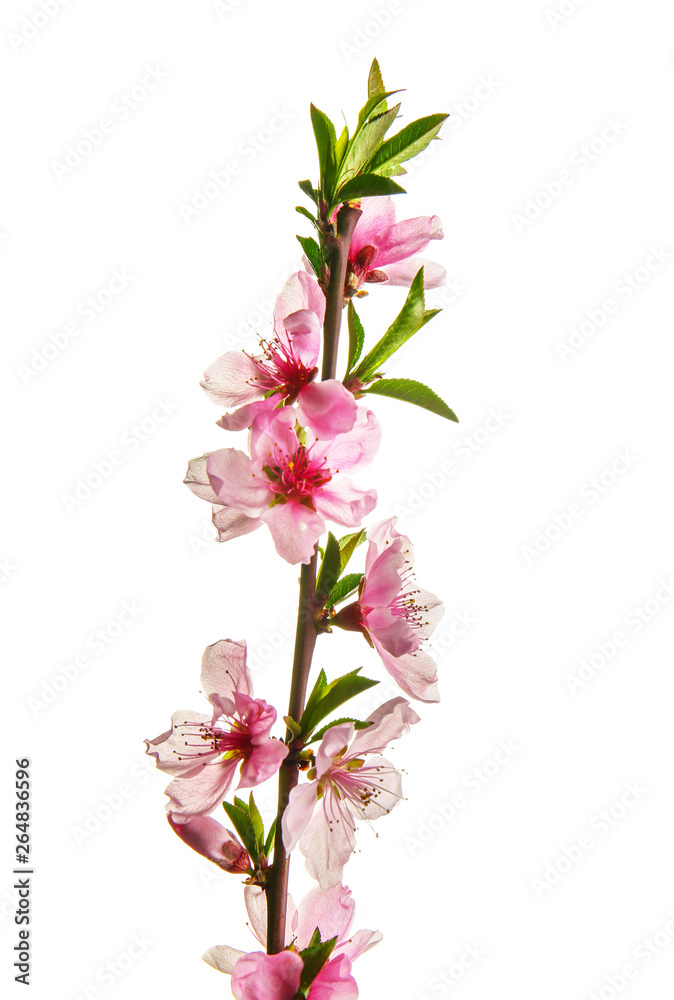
(298, 813)
(201, 792)
(382, 580)
(405, 272)
(267, 977)
(257, 716)
(404, 239)
(389, 722)
(303, 329)
(271, 429)
(377, 214)
(327, 408)
(295, 530)
(230, 523)
(196, 478)
(263, 763)
(334, 981)
(329, 910)
(230, 475)
(228, 380)
(224, 673)
(207, 837)
(395, 635)
(415, 673)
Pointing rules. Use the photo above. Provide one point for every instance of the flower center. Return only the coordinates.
(279, 370)
(296, 476)
(200, 740)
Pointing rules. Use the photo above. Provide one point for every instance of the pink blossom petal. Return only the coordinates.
(295, 530)
(230, 523)
(168, 749)
(359, 943)
(357, 447)
(404, 273)
(382, 575)
(395, 635)
(415, 673)
(404, 239)
(210, 839)
(389, 722)
(196, 478)
(434, 609)
(389, 789)
(328, 408)
(256, 907)
(335, 739)
(298, 813)
(263, 762)
(199, 793)
(230, 475)
(303, 328)
(329, 910)
(227, 380)
(267, 977)
(344, 503)
(380, 538)
(224, 671)
(222, 958)
(257, 716)
(334, 981)
(270, 429)
(301, 291)
(329, 840)
(377, 214)
(245, 415)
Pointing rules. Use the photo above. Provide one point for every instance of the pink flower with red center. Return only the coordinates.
(351, 781)
(330, 911)
(293, 481)
(394, 614)
(383, 250)
(285, 369)
(203, 752)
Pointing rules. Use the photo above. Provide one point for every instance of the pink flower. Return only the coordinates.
(395, 615)
(286, 368)
(330, 911)
(351, 781)
(210, 839)
(259, 976)
(290, 482)
(202, 752)
(382, 250)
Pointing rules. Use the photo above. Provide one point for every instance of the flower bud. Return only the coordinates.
(207, 837)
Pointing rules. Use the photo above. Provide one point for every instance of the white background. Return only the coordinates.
(527, 91)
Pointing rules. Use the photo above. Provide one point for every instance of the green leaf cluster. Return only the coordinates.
(247, 822)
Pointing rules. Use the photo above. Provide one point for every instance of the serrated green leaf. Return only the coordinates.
(270, 838)
(326, 140)
(256, 822)
(242, 824)
(410, 319)
(410, 391)
(313, 253)
(375, 84)
(356, 336)
(308, 188)
(335, 694)
(337, 722)
(348, 545)
(341, 144)
(409, 142)
(368, 186)
(343, 588)
(366, 142)
(314, 958)
(374, 106)
(331, 566)
(316, 691)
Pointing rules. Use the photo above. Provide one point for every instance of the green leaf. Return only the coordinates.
(238, 814)
(270, 838)
(348, 545)
(413, 392)
(341, 144)
(306, 213)
(368, 186)
(256, 822)
(366, 142)
(407, 143)
(343, 588)
(331, 566)
(316, 691)
(313, 252)
(373, 106)
(337, 722)
(314, 958)
(356, 336)
(410, 319)
(309, 190)
(375, 84)
(332, 696)
(324, 132)
(292, 725)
